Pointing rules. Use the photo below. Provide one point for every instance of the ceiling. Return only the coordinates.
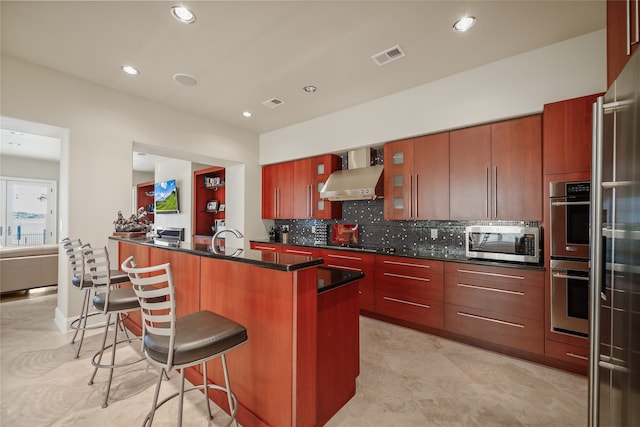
(246, 52)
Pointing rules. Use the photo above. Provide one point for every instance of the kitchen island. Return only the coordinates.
(301, 361)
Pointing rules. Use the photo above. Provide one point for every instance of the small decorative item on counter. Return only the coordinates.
(136, 223)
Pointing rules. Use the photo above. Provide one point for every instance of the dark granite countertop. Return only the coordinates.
(411, 253)
(331, 278)
(274, 261)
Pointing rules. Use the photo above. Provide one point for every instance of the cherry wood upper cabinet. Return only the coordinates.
(308, 179)
(496, 171)
(469, 169)
(516, 155)
(291, 190)
(431, 170)
(566, 135)
(623, 35)
(417, 178)
(398, 175)
(277, 191)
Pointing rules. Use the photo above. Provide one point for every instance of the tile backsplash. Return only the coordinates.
(441, 239)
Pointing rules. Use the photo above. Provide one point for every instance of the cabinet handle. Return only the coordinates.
(628, 22)
(343, 267)
(408, 264)
(417, 197)
(293, 251)
(495, 192)
(275, 202)
(486, 288)
(482, 273)
(567, 276)
(402, 276)
(310, 201)
(264, 248)
(488, 319)
(411, 201)
(344, 257)
(486, 202)
(577, 356)
(401, 301)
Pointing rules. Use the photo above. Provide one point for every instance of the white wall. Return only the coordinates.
(22, 167)
(516, 86)
(96, 152)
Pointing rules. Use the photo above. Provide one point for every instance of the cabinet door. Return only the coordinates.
(398, 176)
(566, 136)
(469, 173)
(431, 176)
(302, 196)
(277, 191)
(620, 37)
(321, 168)
(516, 154)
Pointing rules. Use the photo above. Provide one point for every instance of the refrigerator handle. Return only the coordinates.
(595, 272)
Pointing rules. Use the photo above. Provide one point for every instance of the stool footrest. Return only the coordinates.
(233, 410)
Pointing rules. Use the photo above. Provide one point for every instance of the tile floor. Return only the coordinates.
(407, 379)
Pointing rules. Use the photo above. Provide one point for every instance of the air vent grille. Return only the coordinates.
(388, 55)
(273, 102)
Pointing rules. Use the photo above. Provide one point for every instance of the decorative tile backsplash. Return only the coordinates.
(440, 239)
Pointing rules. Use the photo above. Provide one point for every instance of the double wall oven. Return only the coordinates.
(569, 244)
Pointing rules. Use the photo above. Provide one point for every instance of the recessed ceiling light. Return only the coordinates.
(185, 79)
(183, 14)
(130, 70)
(310, 89)
(464, 23)
(247, 114)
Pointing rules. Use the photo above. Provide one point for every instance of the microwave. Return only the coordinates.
(503, 243)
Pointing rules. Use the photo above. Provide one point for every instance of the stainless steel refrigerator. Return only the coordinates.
(614, 300)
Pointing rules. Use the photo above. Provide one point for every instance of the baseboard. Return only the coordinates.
(64, 323)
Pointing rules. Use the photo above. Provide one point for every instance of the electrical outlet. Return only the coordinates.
(434, 233)
(313, 229)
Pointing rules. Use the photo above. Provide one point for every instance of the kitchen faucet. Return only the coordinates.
(216, 248)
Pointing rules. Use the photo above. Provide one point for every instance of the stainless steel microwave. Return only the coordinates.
(503, 243)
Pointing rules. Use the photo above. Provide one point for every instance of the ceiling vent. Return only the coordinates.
(273, 102)
(388, 55)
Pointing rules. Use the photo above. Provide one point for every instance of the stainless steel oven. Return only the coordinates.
(570, 297)
(569, 228)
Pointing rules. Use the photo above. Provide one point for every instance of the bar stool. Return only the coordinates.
(113, 301)
(80, 280)
(171, 342)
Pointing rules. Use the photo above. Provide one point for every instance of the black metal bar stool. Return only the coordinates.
(114, 300)
(171, 342)
(81, 280)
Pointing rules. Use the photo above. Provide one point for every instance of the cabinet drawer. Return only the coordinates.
(338, 259)
(410, 266)
(399, 306)
(516, 276)
(567, 352)
(264, 247)
(505, 298)
(415, 287)
(300, 250)
(502, 329)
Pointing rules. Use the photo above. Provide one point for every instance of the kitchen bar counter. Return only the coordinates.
(282, 262)
(301, 362)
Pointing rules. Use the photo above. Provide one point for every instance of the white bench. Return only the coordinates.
(28, 267)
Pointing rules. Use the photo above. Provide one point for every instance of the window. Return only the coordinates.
(27, 212)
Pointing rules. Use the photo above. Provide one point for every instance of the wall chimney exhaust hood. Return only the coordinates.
(360, 182)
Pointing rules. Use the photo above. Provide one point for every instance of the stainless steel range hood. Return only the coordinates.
(360, 182)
